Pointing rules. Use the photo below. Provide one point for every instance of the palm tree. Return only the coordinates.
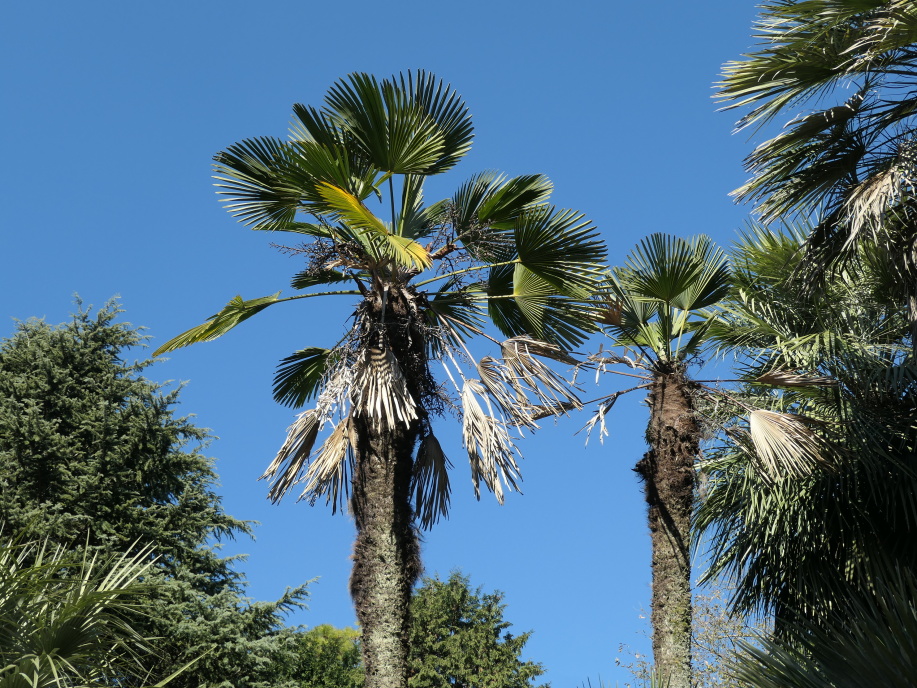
(653, 314)
(851, 168)
(797, 532)
(350, 182)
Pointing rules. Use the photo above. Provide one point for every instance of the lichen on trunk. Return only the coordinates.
(667, 470)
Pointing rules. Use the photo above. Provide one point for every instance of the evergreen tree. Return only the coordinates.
(459, 638)
(92, 454)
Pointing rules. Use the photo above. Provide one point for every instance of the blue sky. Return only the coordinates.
(111, 114)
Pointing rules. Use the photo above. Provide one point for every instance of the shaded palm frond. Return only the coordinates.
(299, 376)
(430, 482)
(489, 445)
(383, 395)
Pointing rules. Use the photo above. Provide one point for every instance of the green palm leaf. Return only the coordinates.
(299, 376)
(562, 248)
(392, 129)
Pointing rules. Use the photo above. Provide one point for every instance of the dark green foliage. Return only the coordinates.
(459, 638)
(91, 453)
(804, 542)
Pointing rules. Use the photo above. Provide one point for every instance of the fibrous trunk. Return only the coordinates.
(386, 553)
(668, 473)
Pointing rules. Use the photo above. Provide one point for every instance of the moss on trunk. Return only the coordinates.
(667, 470)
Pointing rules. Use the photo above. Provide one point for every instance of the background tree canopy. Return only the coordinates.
(91, 454)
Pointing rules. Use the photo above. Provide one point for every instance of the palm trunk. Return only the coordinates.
(668, 473)
(387, 552)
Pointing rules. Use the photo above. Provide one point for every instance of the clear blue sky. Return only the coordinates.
(111, 112)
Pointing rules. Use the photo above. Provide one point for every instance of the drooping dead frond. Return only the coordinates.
(539, 411)
(869, 202)
(598, 418)
(535, 347)
(301, 436)
(329, 474)
(382, 392)
(785, 378)
(430, 485)
(785, 446)
(490, 448)
(531, 375)
(499, 382)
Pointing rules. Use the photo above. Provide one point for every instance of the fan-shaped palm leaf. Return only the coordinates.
(430, 483)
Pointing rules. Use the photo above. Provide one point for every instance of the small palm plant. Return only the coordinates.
(424, 276)
(62, 619)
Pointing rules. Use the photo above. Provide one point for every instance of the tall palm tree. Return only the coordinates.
(654, 304)
(850, 168)
(795, 531)
(350, 181)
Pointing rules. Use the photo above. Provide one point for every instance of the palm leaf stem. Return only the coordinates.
(466, 270)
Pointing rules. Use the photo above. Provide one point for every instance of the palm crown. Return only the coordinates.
(350, 181)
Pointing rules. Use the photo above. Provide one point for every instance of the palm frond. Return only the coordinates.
(300, 375)
(785, 445)
(371, 232)
(233, 313)
(391, 128)
(561, 247)
(383, 395)
(786, 378)
(330, 471)
(430, 482)
(293, 455)
(489, 445)
(533, 376)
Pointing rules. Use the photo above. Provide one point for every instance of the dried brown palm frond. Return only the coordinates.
(490, 448)
(869, 202)
(549, 387)
(382, 392)
(535, 347)
(301, 436)
(785, 446)
(610, 313)
(499, 382)
(329, 474)
(598, 418)
(431, 482)
(785, 378)
(539, 411)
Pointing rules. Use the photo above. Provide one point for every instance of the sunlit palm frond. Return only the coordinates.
(293, 456)
(233, 313)
(786, 446)
(505, 391)
(383, 395)
(392, 129)
(490, 448)
(330, 471)
(374, 235)
(561, 247)
(430, 482)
